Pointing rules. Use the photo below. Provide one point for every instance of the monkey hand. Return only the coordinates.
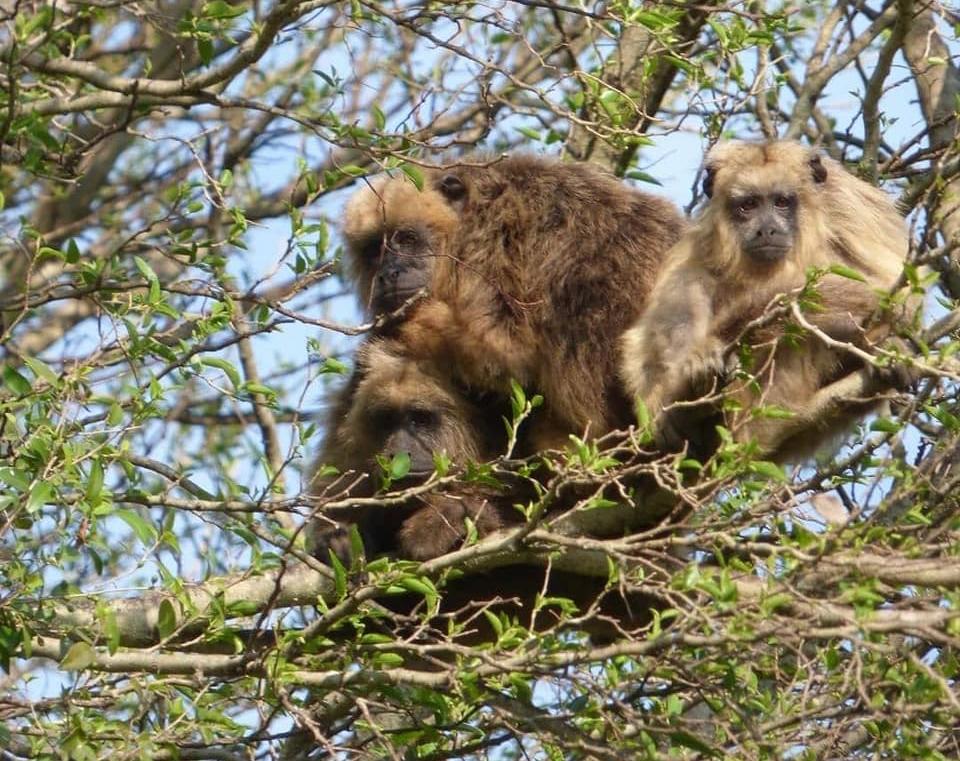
(689, 425)
(336, 538)
(433, 530)
(705, 371)
(896, 375)
(439, 526)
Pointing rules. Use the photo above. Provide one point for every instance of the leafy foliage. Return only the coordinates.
(171, 315)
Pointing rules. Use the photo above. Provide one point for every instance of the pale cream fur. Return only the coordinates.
(677, 340)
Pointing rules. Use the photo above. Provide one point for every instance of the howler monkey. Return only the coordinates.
(394, 406)
(533, 268)
(774, 210)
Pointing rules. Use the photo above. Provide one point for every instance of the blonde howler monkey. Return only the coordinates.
(774, 210)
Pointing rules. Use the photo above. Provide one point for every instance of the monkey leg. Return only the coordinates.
(378, 526)
(439, 526)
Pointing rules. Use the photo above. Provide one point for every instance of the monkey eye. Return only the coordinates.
(784, 201)
(405, 237)
(423, 419)
(746, 205)
(384, 420)
(372, 250)
(452, 187)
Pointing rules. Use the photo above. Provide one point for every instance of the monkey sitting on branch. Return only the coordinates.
(774, 210)
(533, 268)
(400, 413)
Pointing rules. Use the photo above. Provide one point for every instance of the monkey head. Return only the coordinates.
(396, 405)
(764, 199)
(401, 406)
(394, 232)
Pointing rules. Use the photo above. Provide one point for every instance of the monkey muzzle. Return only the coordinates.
(768, 254)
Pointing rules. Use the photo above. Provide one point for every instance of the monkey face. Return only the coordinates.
(765, 223)
(415, 430)
(395, 232)
(760, 193)
(405, 406)
(400, 265)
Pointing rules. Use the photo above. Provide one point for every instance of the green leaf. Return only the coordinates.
(259, 388)
(166, 619)
(240, 608)
(148, 274)
(529, 132)
(95, 483)
(334, 366)
(42, 371)
(356, 542)
(115, 415)
(218, 9)
(143, 529)
(885, 425)
(339, 575)
(9, 643)
(494, 622)
(521, 688)
(18, 480)
(399, 466)
(842, 271)
(78, 657)
(40, 494)
(228, 369)
(387, 660)
(414, 173)
(379, 119)
(16, 382)
(421, 587)
(636, 174)
(769, 469)
(111, 630)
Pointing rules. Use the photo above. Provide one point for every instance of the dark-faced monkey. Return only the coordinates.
(396, 406)
(533, 266)
(774, 210)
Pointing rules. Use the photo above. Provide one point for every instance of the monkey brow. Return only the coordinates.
(761, 189)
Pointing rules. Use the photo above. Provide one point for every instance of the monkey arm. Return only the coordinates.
(485, 354)
(673, 349)
(842, 312)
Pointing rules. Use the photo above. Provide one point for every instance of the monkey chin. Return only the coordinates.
(766, 257)
(390, 299)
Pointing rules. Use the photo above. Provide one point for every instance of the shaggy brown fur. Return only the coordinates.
(535, 266)
(711, 289)
(532, 268)
(394, 405)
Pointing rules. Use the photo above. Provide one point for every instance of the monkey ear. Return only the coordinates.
(818, 170)
(452, 187)
(710, 173)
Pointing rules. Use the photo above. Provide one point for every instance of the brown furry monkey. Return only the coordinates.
(391, 406)
(533, 267)
(774, 210)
